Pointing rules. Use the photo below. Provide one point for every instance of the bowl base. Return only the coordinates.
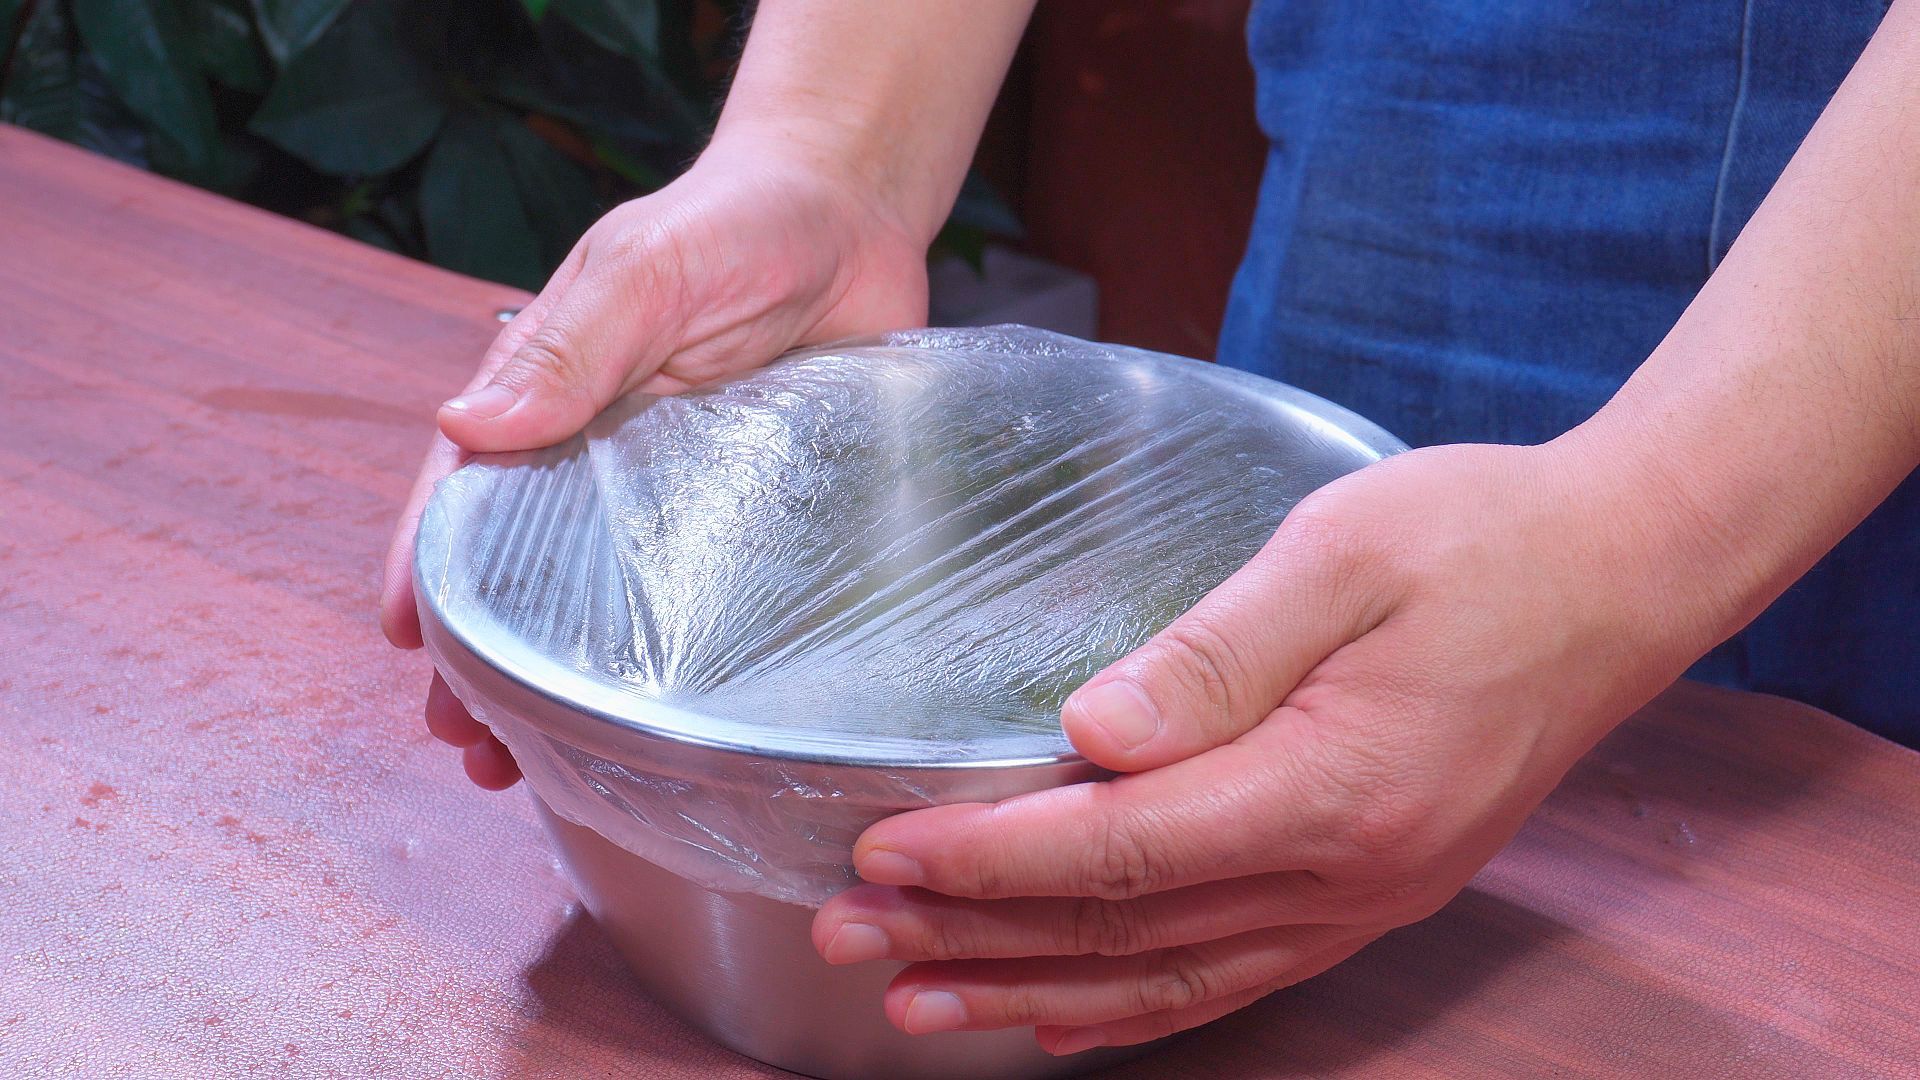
(742, 969)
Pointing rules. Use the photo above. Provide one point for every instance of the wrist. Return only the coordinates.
(857, 159)
(1684, 540)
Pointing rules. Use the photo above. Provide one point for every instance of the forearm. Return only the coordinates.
(1785, 404)
(894, 92)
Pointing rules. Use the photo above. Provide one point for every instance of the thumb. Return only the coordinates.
(1219, 669)
(584, 342)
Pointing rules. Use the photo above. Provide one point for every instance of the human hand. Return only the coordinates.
(1328, 746)
(753, 251)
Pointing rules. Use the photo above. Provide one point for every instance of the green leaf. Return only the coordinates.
(228, 50)
(233, 166)
(9, 11)
(369, 230)
(536, 9)
(630, 28)
(146, 51)
(401, 218)
(555, 192)
(106, 125)
(633, 103)
(357, 102)
(42, 90)
(54, 88)
(289, 26)
(527, 89)
(471, 209)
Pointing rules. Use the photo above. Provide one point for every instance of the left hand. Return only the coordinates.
(1327, 747)
(755, 249)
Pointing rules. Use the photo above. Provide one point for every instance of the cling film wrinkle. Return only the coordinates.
(910, 548)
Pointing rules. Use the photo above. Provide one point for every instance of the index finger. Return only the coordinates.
(1255, 805)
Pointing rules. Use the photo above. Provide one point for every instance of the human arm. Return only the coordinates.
(1336, 739)
(839, 152)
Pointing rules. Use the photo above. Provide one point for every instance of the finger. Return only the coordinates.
(1076, 991)
(609, 328)
(1139, 1029)
(399, 618)
(490, 765)
(1259, 804)
(1219, 669)
(871, 922)
(448, 720)
(399, 615)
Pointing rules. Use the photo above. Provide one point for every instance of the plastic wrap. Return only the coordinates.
(870, 558)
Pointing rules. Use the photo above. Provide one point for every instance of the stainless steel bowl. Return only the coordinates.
(736, 965)
(740, 967)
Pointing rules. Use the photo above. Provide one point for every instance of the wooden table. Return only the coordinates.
(228, 847)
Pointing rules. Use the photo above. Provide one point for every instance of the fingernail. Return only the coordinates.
(1078, 1040)
(485, 403)
(855, 942)
(1122, 711)
(934, 1010)
(890, 868)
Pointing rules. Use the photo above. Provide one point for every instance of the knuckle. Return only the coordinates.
(1180, 981)
(632, 243)
(651, 262)
(1323, 529)
(944, 939)
(1203, 658)
(1386, 818)
(1122, 868)
(1025, 1006)
(1390, 829)
(1104, 928)
(1320, 518)
(547, 360)
(983, 878)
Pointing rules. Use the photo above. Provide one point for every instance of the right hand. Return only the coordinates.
(755, 250)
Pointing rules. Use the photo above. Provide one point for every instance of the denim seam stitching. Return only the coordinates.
(1733, 135)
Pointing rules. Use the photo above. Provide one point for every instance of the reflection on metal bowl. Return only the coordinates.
(725, 632)
(742, 969)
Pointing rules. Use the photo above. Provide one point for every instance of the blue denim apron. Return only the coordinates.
(1478, 217)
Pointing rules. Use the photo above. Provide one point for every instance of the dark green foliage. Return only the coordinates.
(358, 101)
(629, 28)
(469, 179)
(485, 135)
(42, 90)
(148, 54)
(555, 192)
(230, 51)
(289, 26)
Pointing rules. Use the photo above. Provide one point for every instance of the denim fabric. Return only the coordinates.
(1478, 217)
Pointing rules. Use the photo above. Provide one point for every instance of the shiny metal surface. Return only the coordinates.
(740, 622)
(901, 556)
(742, 969)
(801, 817)
(930, 575)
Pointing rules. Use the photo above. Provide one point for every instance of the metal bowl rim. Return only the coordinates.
(574, 693)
